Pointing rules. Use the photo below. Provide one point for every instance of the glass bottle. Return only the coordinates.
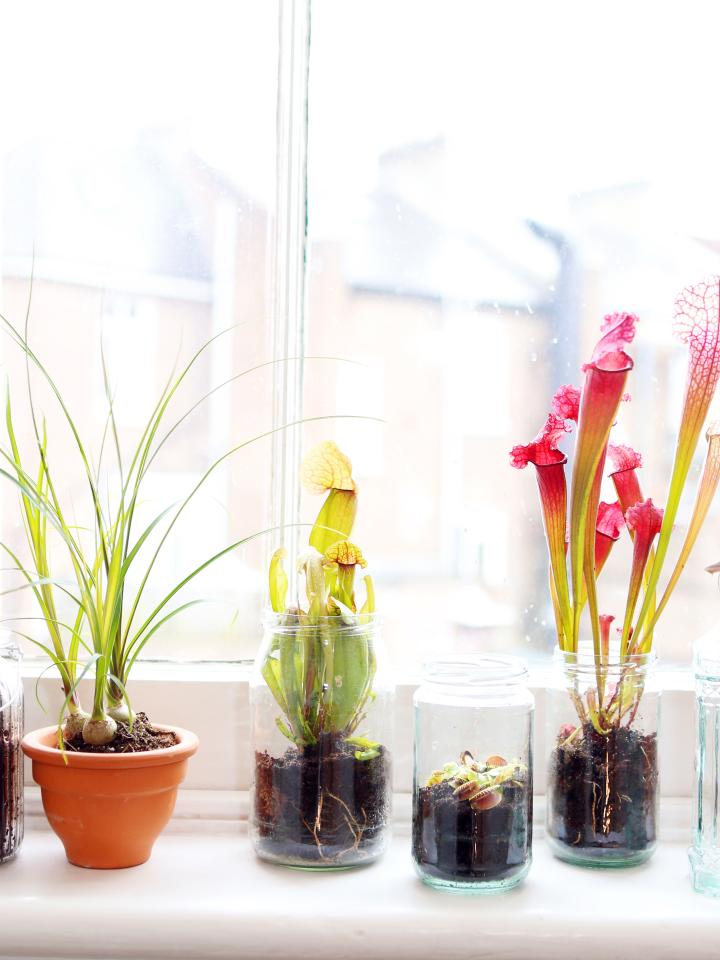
(11, 761)
(472, 793)
(322, 719)
(705, 850)
(602, 787)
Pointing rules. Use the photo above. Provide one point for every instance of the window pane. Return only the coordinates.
(486, 182)
(138, 167)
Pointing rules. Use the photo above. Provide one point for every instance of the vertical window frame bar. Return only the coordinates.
(289, 261)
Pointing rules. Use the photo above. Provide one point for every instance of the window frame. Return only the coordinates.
(195, 693)
(184, 693)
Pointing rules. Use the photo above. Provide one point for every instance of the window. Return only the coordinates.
(138, 169)
(480, 192)
(483, 187)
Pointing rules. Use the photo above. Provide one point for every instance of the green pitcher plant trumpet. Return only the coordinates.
(320, 665)
(581, 529)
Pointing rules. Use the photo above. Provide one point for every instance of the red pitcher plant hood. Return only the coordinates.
(595, 525)
(549, 463)
(608, 527)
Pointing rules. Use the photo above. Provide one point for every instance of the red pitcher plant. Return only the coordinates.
(603, 768)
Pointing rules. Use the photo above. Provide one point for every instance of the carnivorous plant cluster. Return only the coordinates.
(594, 525)
(321, 663)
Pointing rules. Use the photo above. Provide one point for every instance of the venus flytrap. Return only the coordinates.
(479, 782)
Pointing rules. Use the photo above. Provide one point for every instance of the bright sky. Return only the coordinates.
(538, 100)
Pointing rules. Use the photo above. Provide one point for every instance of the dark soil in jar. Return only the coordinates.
(602, 790)
(322, 806)
(138, 737)
(11, 785)
(452, 840)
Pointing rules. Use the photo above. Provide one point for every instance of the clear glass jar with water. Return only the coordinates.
(472, 795)
(705, 850)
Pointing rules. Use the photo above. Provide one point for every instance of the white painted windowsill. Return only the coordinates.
(204, 895)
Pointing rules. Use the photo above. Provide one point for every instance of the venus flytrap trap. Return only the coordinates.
(602, 787)
(480, 783)
(321, 798)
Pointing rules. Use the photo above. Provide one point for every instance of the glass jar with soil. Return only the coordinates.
(602, 788)
(11, 761)
(322, 717)
(472, 795)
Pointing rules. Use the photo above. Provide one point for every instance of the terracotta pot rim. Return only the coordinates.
(40, 745)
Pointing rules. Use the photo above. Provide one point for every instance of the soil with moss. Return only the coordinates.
(138, 737)
(322, 806)
(454, 841)
(602, 791)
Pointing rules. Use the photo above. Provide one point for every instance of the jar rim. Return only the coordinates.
(706, 658)
(8, 640)
(476, 670)
(584, 659)
(276, 621)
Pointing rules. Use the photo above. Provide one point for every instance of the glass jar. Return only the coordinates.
(472, 793)
(602, 787)
(11, 761)
(322, 718)
(705, 850)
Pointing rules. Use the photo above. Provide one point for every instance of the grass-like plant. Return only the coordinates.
(113, 563)
(584, 530)
(321, 662)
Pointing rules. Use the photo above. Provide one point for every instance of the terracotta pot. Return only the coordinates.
(108, 808)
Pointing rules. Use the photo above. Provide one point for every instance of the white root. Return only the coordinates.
(99, 732)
